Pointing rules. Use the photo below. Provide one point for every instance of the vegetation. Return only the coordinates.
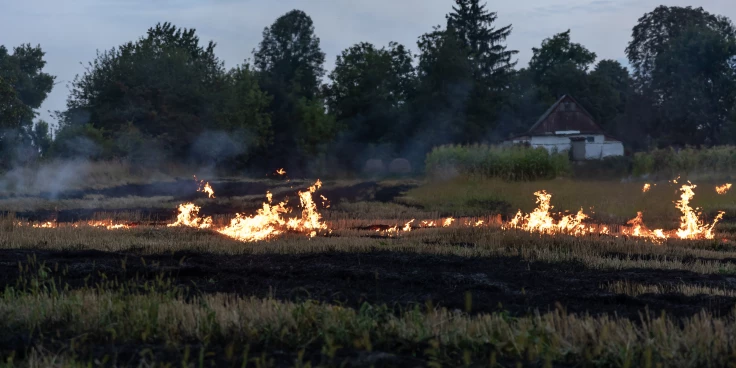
(219, 329)
(509, 163)
(607, 201)
(688, 162)
(165, 97)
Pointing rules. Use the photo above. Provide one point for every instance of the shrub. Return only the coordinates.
(505, 162)
(669, 162)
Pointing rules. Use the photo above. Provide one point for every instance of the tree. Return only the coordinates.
(290, 63)
(559, 51)
(165, 85)
(23, 88)
(445, 84)
(473, 25)
(12, 110)
(22, 70)
(684, 64)
(489, 61)
(695, 77)
(610, 91)
(369, 96)
(245, 108)
(653, 32)
(465, 74)
(41, 136)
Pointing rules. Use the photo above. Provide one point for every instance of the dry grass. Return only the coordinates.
(636, 289)
(608, 201)
(595, 252)
(223, 324)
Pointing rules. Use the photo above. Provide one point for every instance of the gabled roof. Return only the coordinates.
(554, 119)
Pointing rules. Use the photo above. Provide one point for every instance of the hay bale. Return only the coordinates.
(374, 166)
(399, 166)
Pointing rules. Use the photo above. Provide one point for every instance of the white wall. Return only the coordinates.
(598, 149)
(552, 143)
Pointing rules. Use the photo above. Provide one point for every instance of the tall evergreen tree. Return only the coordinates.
(474, 26)
(465, 73)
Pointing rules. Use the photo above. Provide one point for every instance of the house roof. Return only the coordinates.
(557, 118)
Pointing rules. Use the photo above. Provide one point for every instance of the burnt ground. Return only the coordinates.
(396, 279)
(185, 191)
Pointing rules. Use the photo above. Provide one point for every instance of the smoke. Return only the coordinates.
(213, 147)
(47, 180)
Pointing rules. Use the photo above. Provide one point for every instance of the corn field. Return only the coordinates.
(513, 163)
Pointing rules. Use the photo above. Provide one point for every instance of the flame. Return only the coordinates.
(407, 226)
(639, 230)
(691, 227)
(281, 172)
(108, 224)
(448, 221)
(478, 223)
(646, 188)
(541, 221)
(44, 225)
(205, 187)
(723, 189)
(266, 223)
(310, 221)
(189, 216)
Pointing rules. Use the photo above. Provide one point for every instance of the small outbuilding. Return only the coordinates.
(567, 126)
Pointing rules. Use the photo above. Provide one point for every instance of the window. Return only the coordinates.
(589, 139)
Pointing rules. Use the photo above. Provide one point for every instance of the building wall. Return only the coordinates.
(597, 149)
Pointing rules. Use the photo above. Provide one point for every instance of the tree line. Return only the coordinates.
(167, 96)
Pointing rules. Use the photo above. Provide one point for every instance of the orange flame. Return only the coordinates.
(189, 216)
(108, 224)
(646, 188)
(205, 187)
(281, 172)
(267, 223)
(541, 221)
(691, 227)
(448, 221)
(723, 189)
(639, 230)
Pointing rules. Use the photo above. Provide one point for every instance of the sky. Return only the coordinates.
(72, 31)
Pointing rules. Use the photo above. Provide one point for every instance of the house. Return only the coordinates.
(568, 126)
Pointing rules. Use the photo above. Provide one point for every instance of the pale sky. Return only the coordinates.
(70, 32)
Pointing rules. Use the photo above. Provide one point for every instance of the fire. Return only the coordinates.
(691, 227)
(478, 223)
(205, 187)
(646, 188)
(310, 221)
(541, 221)
(407, 226)
(266, 223)
(281, 172)
(108, 224)
(723, 189)
(448, 221)
(639, 230)
(45, 225)
(189, 216)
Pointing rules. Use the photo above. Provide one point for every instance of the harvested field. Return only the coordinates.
(383, 284)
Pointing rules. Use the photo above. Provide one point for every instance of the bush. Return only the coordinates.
(505, 162)
(669, 162)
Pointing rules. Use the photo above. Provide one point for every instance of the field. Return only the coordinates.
(453, 287)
